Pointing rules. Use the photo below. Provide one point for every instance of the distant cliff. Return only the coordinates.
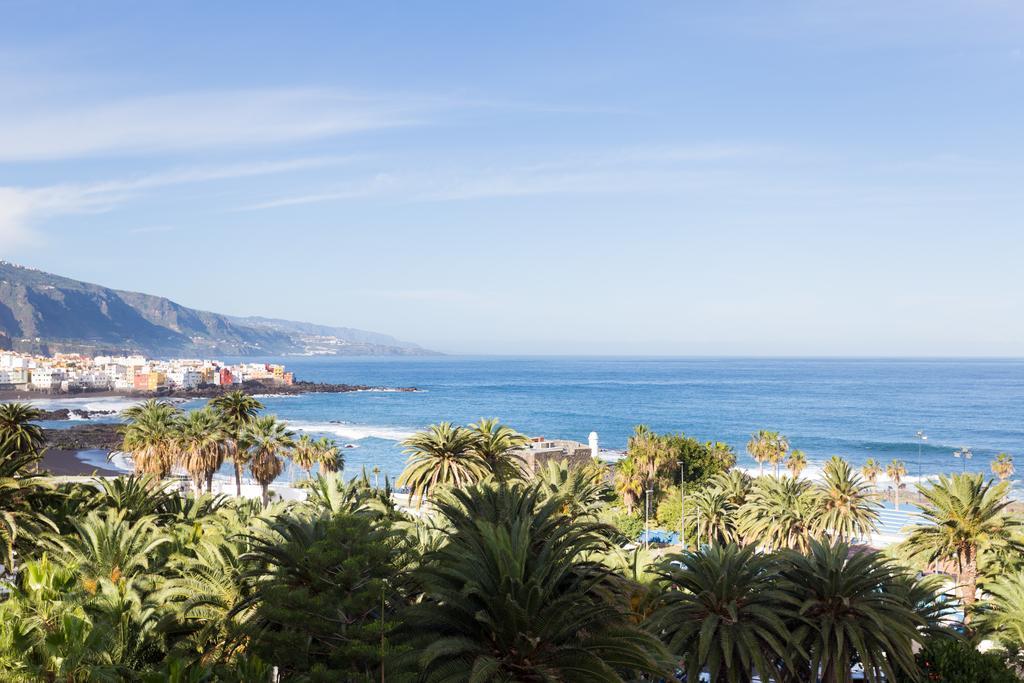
(45, 313)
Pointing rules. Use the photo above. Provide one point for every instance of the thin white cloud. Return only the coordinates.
(376, 185)
(654, 169)
(193, 120)
(23, 207)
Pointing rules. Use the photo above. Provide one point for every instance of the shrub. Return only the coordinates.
(945, 660)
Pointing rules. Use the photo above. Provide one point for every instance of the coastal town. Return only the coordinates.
(75, 373)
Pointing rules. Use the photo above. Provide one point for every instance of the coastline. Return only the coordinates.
(252, 388)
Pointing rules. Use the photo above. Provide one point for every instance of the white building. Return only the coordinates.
(13, 376)
(47, 379)
(184, 377)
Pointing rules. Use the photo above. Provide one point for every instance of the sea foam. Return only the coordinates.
(350, 431)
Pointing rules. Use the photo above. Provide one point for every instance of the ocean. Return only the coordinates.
(855, 408)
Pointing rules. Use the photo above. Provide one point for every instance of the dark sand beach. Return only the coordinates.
(67, 463)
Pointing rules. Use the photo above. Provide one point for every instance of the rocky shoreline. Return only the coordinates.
(94, 435)
(208, 391)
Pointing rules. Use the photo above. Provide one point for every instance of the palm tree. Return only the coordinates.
(757, 448)
(1002, 466)
(206, 590)
(871, 471)
(136, 497)
(735, 484)
(896, 471)
(151, 437)
(266, 438)
(328, 455)
(442, 456)
(22, 494)
(846, 506)
(106, 545)
(647, 450)
(202, 439)
(496, 445)
(512, 595)
(719, 611)
(715, 516)
(849, 607)
(966, 518)
(779, 513)
(796, 463)
(304, 454)
(239, 410)
(1004, 618)
(721, 454)
(629, 483)
(17, 429)
(581, 488)
(776, 449)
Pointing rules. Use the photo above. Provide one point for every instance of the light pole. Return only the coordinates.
(647, 520)
(964, 454)
(921, 438)
(682, 504)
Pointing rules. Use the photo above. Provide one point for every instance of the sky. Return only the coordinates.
(657, 178)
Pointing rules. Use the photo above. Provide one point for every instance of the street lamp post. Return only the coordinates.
(682, 504)
(921, 438)
(647, 520)
(964, 454)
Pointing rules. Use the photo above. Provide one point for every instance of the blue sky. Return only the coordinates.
(821, 178)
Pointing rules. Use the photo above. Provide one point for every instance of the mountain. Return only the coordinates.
(45, 313)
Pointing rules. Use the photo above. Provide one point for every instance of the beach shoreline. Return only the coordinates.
(64, 462)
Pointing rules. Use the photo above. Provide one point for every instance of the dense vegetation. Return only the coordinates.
(499, 575)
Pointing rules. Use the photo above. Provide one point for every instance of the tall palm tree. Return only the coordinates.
(846, 506)
(239, 410)
(757, 447)
(202, 445)
(1002, 466)
(629, 483)
(17, 428)
(648, 451)
(896, 471)
(965, 519)
(442, 456)
(496, 444)
(151, 437)
(512, 596)
(304, 454)
(849, 607)
(871, 470)
(328, 455)
(776, 449)
(779, 513)
(266, 438)
(796, 463)
(719, 611)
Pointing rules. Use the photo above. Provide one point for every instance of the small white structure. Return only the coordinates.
(595, 451)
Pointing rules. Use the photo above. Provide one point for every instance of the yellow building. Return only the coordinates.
(157, 380)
